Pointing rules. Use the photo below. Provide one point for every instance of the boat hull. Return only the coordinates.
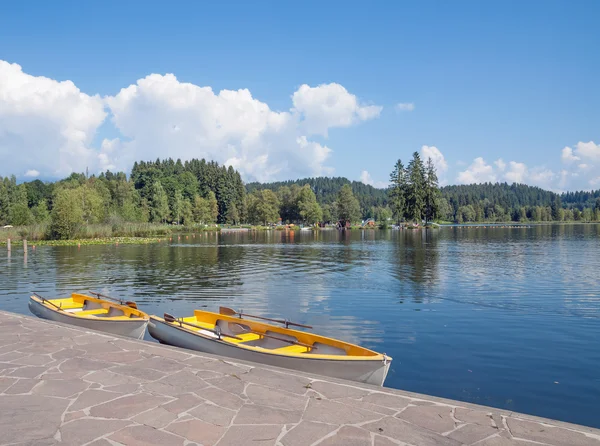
(365, 371)
(130, 328)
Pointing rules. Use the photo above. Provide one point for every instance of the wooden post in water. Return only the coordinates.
(25, 246)
(8, 244)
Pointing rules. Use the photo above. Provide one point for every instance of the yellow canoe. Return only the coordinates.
(94, 313)
(260, 342)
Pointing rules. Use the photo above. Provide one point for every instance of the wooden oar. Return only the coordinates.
(289, 341)
(122, 302)
(46, 300)
(231, 312)
(170, 318)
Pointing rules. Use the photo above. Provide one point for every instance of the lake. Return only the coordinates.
(505, 317)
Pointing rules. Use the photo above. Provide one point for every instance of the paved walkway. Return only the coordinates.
(63, 385)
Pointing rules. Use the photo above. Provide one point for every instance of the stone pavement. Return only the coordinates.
(64, 385)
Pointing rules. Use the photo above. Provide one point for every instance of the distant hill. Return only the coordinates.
(326, 190)
(474, 202)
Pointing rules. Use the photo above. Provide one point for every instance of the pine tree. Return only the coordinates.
(397, 191)
(416, 189)
(432, 194)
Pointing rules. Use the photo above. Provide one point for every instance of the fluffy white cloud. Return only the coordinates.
(48, 126)
(436, 156)
(588, 150)
(366, 178)
(500, 164)
(405, 106)
(567, 155)
(478, 172)
(45, 125)
(330, 105)
(517, 172)
(32, 173)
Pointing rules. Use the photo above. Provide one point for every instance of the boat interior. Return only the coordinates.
(81, 305)
(270, 337)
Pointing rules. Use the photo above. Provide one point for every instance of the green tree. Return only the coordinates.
(160, 203)
(232, 216)
(186, 212)
(397, 191)
(432, 193)
(310, 211)
(263, 207)
(213, 206)
(556, 209)
(347, 206)
(4, 202)
(201, 210)
(92, 203)
(67, 214)
(40, 212)
(18, 212)
(327, 213)
(416, 189)
(177, 207)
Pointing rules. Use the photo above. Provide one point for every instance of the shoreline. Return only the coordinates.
(232, 230)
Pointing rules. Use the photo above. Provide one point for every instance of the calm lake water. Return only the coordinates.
(506, 317)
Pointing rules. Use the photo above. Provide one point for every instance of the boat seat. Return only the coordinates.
(293, 349)
(66, 304)
(97, 312)
(246, 337)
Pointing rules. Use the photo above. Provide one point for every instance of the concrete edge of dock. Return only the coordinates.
(65, 385)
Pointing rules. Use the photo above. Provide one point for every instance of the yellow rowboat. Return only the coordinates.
(95, 313)
(244, 339)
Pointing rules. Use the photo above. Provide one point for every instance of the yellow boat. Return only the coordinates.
(231, 335)
(100, 313)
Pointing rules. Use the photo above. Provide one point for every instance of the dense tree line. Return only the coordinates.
(201, 192)
(327, 189)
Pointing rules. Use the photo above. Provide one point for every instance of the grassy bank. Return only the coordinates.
(101, 233)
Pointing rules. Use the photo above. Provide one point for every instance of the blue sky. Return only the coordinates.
(509, 81)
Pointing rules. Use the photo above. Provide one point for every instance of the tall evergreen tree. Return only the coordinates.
(397, 191)
(432, 193)
(416, 189)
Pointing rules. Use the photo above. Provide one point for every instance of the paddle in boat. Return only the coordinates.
(96, 312)
(228, 333)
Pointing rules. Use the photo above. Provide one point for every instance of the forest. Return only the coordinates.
(201, 193)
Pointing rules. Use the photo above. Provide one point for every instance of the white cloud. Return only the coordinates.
(588, 150)
(164, 117)
(595, 182)
(330, 105)
(159, 116)
(32, 173)
(517, 172)
(436, 156)
(477, 172)
(500, 164)
(45, 125)
(567, 155)
(405, 106)
(366, 178)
